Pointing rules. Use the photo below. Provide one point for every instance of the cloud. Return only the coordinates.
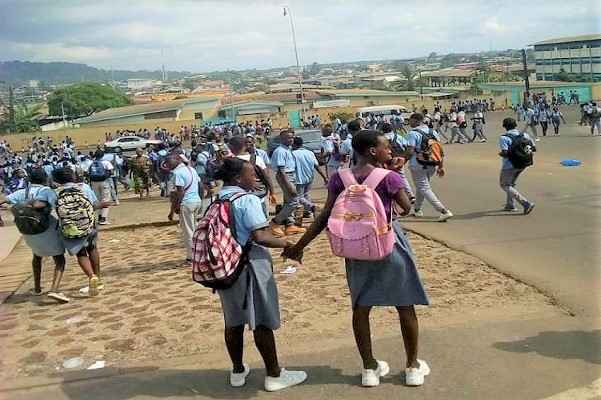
(207, 35)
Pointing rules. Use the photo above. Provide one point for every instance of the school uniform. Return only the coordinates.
(253, 299)
(394, 280)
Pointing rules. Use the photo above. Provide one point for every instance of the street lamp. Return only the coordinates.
(300, 78)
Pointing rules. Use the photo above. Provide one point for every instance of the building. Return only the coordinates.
(139, 84)
(577, 55)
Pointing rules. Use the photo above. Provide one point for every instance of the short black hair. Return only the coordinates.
(63, 175)
(236, 144)
(509, 123)
(298, 141)
(386, 127)
(38, 176)
(365, 140)
(354, 126)
(231, 168)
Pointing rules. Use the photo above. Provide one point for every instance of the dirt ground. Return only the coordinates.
(151, 309)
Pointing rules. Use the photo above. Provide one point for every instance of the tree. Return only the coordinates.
(483, 72)
(432, 56)
(190, 84)
(26, 118)
(85, 98)
(409, 74)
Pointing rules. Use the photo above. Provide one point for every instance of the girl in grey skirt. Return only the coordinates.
(392, 281)
(253, 299)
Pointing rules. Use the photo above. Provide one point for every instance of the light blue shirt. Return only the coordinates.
(248, 213)
(414, 139)
(187, 178)
(264, 156)
(328, 147)
(282, 157)
(305, 165)
(347, 148)
(391, 136)
(115, 161)
(543, 116)
(36, 192)
(505, 142)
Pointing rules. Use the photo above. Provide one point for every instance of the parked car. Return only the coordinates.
(130, 143)
(387, 111)
(311, 141)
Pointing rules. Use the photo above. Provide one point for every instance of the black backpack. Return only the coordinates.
(520, 151)
(30, 220)
(395, 147)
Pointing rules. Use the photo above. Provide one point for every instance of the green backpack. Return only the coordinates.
(75, 211)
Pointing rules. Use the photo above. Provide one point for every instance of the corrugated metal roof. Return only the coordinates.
(363, 92)
(450, 72)
(140, 109)
(567, 39)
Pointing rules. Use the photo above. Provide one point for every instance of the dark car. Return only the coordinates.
(311, 141)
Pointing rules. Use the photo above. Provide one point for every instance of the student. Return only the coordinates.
(401, 144)
(47, 243)
(253, 299)
(99, 173)
(85, 247)
(306, 165)
(393, 281)
(556, 116)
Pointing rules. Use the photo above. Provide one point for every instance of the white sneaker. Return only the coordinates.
(285, 380)
(371, 377)
(238, 380)
(415, 376)
(537, 139)
(418, 214)
(444, 216)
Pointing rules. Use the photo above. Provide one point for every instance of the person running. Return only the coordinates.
(185, 199)
(422, 174)
(47, 243)
(392, 281)
(306, 165)
(284, 165)
(84, 247)
(253, 298)
(509, 174)
(478, 126)
(556, 117)
(140, 167)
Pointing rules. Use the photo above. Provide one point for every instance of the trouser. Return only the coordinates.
(555, 127)
(421, 179)
(304, 196)
(544, 125)
(479, 131)
(102, 190)
(507, 181)
(187, 223)
(463, 132)
(456, 134)
(406, 185)
(113, 186)
(532, 127)
(438, 128)
(596, 123)
(284, 217)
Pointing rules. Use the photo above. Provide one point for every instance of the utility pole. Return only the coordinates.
(229, 83)
(11, 105)
(526, 80)
(164, 72)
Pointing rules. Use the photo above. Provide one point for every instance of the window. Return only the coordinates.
(198, 115)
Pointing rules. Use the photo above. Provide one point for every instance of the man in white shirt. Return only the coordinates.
(99, 173)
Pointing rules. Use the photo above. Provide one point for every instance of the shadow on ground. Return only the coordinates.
(186, 383)
(570, 345)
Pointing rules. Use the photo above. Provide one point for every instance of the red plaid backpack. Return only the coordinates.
(217, 258)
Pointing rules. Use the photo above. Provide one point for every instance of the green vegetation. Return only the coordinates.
(85, 98)
(25, 118)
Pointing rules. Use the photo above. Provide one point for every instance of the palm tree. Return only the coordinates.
(25, 118)
(409, 75)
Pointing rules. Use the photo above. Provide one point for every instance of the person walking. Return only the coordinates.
(284, 165)
(398, 144)
(253, 298)
(185, 199)
(391, 281)
(99, 174)
(531, 121)
(556, 117)
(509, 173)
(140, 167)
(595, 118)
(422, 174)
(46, 243)
(478, 126)
(306, 164)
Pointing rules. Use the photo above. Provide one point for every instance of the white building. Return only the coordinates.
(577, 55)
(139, 84)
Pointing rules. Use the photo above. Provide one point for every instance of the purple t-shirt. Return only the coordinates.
(387, 189)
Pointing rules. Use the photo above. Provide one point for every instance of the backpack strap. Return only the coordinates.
(347, 177)
(375, 177)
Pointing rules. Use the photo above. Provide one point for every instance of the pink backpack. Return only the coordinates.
(358, 228)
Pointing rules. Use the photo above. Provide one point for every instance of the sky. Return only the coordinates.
(206, 35)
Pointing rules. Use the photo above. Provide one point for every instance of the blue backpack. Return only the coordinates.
(97, 172)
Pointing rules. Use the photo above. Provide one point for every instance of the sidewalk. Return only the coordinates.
(537, 358)
(14, 270)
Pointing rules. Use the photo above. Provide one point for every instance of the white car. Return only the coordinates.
(130, 143)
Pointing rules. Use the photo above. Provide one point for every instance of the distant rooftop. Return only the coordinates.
(567, 39)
